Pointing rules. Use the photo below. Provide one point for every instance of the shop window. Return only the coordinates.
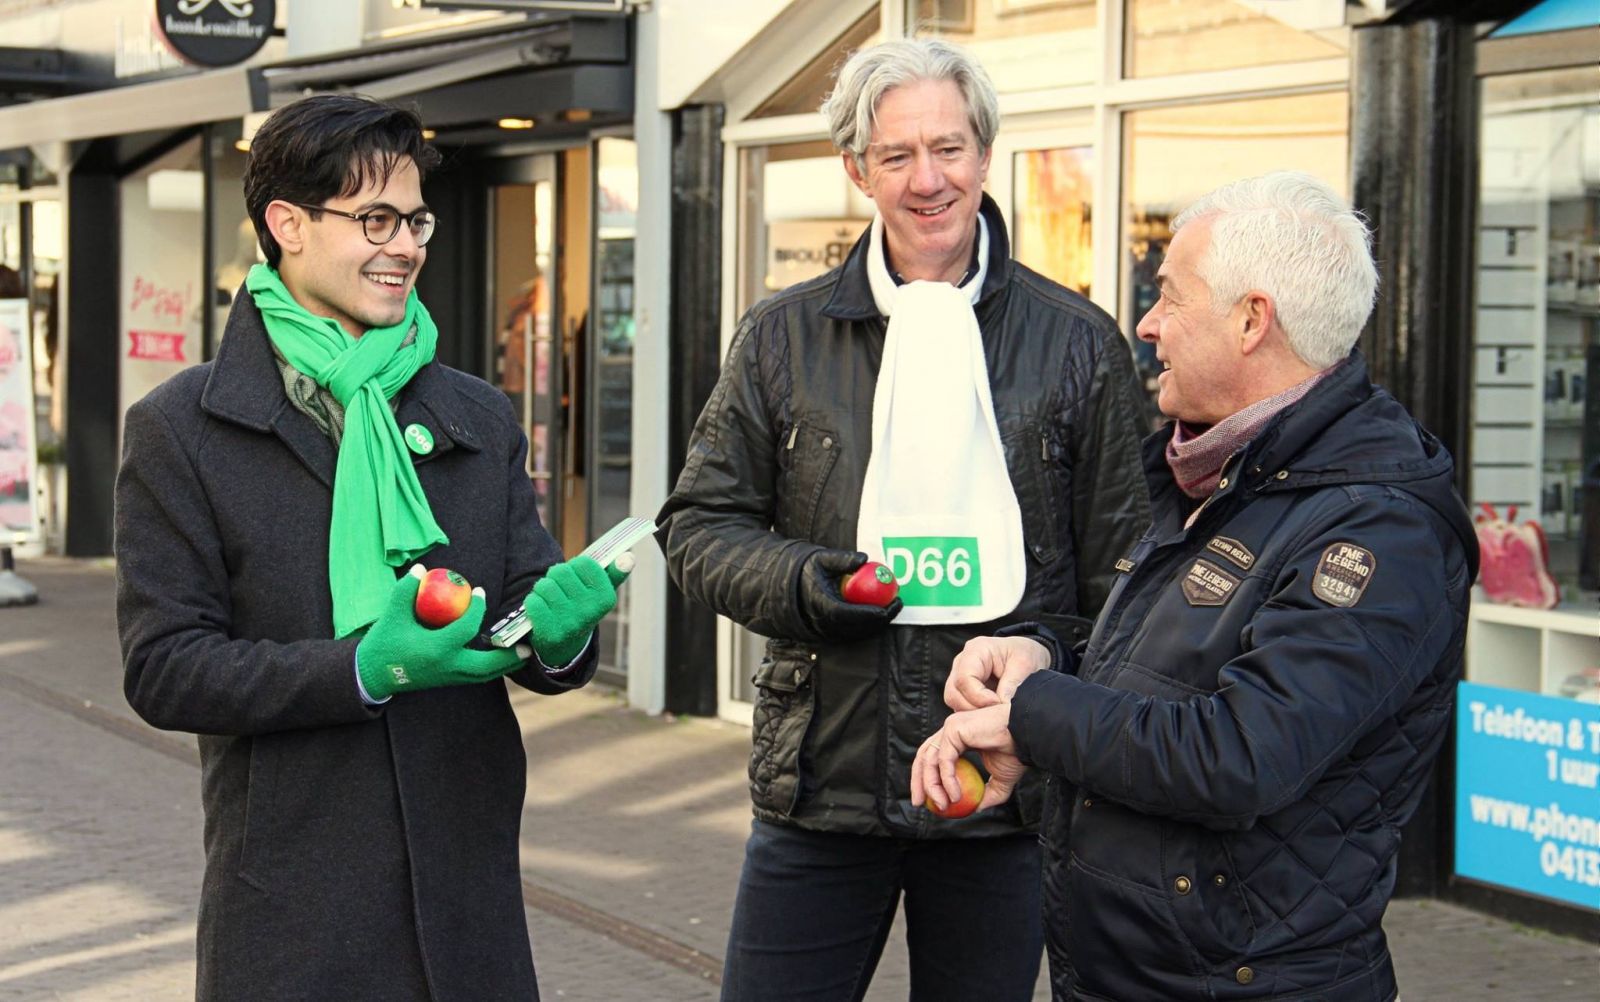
(1175, 155)
(1052, 199)
(805, 92)
(163, 273)
(31, 420)
(1536, 415)
(1165, 37)
(1532, 655)
(1023, 44)
(800, 216)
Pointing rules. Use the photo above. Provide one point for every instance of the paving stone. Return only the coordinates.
(636, 823)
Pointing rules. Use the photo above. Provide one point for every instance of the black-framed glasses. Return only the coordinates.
(380, 223)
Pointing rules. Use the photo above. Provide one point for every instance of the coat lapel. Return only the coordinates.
(246, 388)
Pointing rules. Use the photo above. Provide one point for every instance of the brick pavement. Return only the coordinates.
(632, 836)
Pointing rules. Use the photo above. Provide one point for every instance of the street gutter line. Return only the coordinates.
(574, 912)
(637, 937)
(98, 716)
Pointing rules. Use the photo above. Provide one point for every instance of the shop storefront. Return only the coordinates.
(1526, 805)
(530, 275)
(1118, 114)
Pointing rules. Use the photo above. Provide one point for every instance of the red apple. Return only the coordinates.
(442, 597)
(870, 584)
(971, 792)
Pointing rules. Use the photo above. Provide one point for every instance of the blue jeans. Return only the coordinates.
(814, 910)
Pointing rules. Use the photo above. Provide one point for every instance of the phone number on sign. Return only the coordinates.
(1581, 866)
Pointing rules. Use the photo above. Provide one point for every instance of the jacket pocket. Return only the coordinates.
(1207, 898)
(785, 706)
(1125, 941)
(255, 844)
(808, 457)
(1030, 459)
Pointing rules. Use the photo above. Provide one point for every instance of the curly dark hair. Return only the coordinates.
(328, 146)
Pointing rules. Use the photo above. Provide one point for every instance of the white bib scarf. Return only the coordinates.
(937, 505)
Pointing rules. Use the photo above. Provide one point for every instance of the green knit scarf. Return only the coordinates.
(381, 518)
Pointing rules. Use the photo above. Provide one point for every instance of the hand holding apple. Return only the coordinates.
(971, 786)
(870, 584)
(825, 612)
(936, 779)
(442, 596)
(397, 653)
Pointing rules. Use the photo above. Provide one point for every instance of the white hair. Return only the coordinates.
(1288, 235)
(871, 73)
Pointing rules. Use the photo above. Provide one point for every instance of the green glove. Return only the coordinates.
(399, 654)
(566, 604)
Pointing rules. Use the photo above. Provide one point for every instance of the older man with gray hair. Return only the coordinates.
(933, 405)
(1254, 718)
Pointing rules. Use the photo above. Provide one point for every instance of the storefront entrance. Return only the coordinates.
(559, 332)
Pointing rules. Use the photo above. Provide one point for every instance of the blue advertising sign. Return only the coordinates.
(1528, 792)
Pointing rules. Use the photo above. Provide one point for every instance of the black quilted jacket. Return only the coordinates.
(774, 472)
(1255, 716)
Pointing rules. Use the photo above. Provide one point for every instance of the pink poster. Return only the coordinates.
(18, 460)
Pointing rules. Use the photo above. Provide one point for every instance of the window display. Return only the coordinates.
(1536, 413)
(802, 217)
(1051, 214)
(1535, 441)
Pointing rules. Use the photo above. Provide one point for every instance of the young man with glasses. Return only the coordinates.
(363, 774)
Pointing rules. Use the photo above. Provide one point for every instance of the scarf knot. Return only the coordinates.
(381, 518)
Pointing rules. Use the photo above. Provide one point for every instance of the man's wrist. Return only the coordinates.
(361, 688)
(571, 662)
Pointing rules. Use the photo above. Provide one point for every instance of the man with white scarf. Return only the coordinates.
(936, 406)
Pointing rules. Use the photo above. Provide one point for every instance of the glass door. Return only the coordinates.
(610, 379)
(526, 357)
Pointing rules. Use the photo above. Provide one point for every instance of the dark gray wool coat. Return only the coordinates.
(352, 852)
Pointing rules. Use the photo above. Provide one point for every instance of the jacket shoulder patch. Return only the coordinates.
(1208, 584)
(1233, 550)
(1343, 572)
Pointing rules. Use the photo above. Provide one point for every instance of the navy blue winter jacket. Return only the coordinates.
(1255, 715)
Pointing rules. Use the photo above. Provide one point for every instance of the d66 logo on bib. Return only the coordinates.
(935, 570)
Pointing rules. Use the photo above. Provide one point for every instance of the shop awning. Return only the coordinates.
(164, 104)
(386, 72)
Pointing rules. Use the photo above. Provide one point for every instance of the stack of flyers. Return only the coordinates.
(605, 551)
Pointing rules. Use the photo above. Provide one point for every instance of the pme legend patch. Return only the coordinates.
(1233, 550)
(1208, 584)
(1343, 573)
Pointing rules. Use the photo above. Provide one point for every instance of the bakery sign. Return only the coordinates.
(215, 32)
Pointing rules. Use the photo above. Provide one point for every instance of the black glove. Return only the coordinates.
(825, 611)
